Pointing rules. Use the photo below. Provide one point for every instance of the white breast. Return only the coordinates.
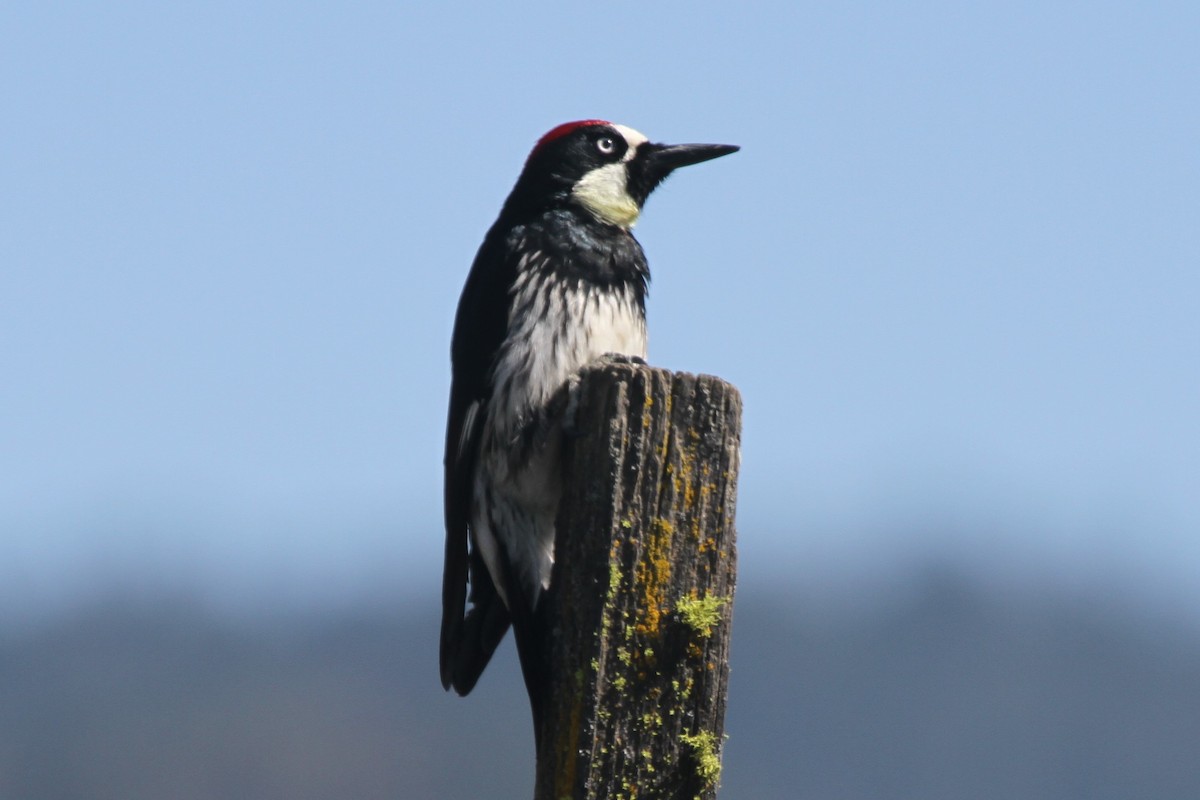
(554, 331)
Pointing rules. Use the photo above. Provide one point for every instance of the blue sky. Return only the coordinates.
(954, 271)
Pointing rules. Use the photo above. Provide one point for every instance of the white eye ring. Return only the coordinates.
(606, 145)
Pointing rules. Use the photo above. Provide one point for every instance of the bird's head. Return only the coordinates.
(605, 168)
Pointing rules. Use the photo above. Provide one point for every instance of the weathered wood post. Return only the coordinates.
(641, 596)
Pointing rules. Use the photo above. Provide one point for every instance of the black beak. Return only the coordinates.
(673, 156)
(654, 162)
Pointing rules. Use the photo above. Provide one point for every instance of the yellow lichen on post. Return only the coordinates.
(652, 576)
(567, 745)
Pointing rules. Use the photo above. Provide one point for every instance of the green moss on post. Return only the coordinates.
(701, 614)
(704, 751)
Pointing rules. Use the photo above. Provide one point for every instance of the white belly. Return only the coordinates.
(554, 335)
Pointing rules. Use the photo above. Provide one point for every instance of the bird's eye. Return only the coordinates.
(606, 145)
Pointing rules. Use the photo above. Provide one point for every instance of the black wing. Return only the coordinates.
(469, 637)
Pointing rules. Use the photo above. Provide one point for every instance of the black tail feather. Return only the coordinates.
(469, 641)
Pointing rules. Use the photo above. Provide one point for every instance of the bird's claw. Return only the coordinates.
(622, 358)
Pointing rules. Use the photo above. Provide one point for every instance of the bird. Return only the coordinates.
(558, 282)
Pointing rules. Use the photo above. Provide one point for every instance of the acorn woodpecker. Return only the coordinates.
(558, 282)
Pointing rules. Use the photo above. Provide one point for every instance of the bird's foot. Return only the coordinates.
(622, 358)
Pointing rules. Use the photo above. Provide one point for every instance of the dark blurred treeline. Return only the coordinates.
(943, 690)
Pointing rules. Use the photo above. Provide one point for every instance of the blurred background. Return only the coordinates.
(954, 272)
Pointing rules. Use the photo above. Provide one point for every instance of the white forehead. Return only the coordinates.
(632, 138)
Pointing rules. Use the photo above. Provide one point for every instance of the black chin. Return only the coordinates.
(654, 162)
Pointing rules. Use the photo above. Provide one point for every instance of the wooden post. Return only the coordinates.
(641, 597)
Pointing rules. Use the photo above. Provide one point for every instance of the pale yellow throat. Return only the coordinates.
(603, 192)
